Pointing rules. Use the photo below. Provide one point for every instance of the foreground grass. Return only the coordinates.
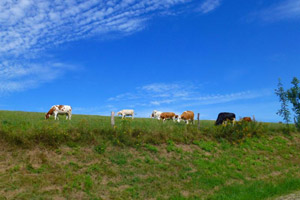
(171, 167)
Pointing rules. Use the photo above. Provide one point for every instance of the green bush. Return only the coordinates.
(100, 149)
(237, 132)
(151, 148)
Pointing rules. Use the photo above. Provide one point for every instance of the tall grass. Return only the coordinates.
(23, 128)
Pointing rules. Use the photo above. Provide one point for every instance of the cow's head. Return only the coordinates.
(153, 113)
(119, 113)
(47, 116)
(178, 119)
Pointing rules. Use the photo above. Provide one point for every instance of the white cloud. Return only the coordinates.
(160, 87)
(287, 9)
(29, 27)
(18, 77)
(37, 25)
(165, 101)
(224, 98)
(209, 5)
(179, 96)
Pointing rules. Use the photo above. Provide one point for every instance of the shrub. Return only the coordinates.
(237, 132)
(151, 148)
(100, 148)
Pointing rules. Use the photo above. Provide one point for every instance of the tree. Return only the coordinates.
(293, 95)
(283, 98)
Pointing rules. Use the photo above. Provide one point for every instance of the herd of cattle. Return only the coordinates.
(186, 116)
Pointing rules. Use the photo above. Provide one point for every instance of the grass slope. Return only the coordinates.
(142, 159)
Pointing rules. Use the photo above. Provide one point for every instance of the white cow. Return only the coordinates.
(156, 114)
(125, 113)
(60, 110)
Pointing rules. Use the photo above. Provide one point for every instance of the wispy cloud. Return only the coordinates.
(223, 98)
(178, 96)
(30, 27)
(37, 25)
(209, 5)
(286, 9)
(158, 93)
(18, 77)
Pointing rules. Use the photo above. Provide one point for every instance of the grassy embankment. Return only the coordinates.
(143, 159)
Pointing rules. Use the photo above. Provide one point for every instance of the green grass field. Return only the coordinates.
(86, 158)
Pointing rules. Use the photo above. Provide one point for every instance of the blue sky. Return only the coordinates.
(99, 56)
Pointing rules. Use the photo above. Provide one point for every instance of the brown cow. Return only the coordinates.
(168, 115)
(247, 119)
(187, 116)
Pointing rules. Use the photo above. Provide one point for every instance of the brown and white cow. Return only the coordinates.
(156, 114)
(59, 110)
(168, 115)
(187, 116)
(247, 119)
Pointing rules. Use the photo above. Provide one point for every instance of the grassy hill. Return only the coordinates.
(86, 158)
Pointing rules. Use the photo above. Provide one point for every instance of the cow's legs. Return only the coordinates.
(132, 115)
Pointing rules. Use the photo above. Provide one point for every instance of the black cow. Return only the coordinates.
(224, 116)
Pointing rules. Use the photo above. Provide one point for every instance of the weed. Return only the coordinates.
(100, 148)
(119, 159)
(14, 169)
(206, 145)
(171, 147)
(151, 148)
(39, 170)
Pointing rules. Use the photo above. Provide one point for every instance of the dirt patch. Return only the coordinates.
(293, 196)
(186, 148)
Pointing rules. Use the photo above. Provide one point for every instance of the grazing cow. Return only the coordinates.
(125, 113)
(224, 116)
(59, 110)
(168, 115)
(187, 116)
(156, 114)
(247, 119)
